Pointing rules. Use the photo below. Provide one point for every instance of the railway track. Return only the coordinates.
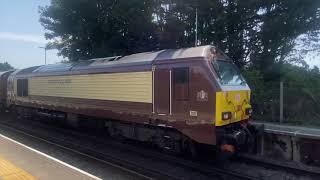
(143, 170)
(313, 172)
(92, 154)
(206, 169)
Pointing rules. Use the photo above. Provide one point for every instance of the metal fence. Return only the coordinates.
(287, 103)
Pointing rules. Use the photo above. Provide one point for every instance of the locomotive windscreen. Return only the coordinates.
(228, 73)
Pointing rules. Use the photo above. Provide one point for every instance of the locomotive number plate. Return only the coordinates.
(193, 113)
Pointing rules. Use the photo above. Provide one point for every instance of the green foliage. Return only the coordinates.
(253, 31)
(5, 67)
(85, 29)
(301, 95)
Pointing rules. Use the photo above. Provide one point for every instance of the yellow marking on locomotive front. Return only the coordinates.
(129, 86)
(9, 171)
(235, 102)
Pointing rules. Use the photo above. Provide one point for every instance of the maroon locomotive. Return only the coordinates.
(3, 88)
(172, 98)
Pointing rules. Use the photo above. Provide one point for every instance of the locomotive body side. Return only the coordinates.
(120, 93)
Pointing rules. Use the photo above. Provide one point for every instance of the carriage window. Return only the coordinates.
(22, 87)
(181, 83)
(25, 87)
(19, 87)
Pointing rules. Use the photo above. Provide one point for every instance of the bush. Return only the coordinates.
(301, 95)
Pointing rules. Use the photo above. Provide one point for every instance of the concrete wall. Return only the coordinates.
(290, 147)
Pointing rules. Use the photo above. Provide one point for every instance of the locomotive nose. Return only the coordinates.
(232, 106)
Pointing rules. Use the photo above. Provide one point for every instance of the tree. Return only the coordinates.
(283, 23)
(5, 67)
(85, 29)
(250, 32)
(253, 32)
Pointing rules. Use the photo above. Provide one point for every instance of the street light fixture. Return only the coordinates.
(45, 54)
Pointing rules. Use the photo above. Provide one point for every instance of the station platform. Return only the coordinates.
(20, 162)
(293, 131)
(299, 144)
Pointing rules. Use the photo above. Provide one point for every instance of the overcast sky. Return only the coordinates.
(21, 35)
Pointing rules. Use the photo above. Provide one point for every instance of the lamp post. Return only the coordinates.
(45, 54)
(195, 8)
(196, 33)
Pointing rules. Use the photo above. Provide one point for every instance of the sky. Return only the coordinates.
(21, 34)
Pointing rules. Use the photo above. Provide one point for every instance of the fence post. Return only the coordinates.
(281, 101)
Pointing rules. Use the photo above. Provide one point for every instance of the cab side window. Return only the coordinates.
(19, 87)
(22, 87)
(181, 83)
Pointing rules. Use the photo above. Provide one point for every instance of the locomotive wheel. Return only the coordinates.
(169, 145)
(73, 120)
(190, 149)
(116, 134)
(22, 114)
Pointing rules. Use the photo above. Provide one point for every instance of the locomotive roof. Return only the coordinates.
(5, 72)
(146, 58)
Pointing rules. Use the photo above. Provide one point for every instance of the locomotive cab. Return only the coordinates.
(233, 101)
(232, 107)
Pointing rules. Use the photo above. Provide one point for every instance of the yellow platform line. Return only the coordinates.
(9, 171)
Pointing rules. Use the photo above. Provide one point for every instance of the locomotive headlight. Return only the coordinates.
(248, 111)
(226, 115)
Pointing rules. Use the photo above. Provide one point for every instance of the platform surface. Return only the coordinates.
(18, 161)
(296, 131)
(10, 171)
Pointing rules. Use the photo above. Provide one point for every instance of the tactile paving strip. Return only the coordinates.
(9, 171)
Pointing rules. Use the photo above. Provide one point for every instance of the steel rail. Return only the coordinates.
(279, 165)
